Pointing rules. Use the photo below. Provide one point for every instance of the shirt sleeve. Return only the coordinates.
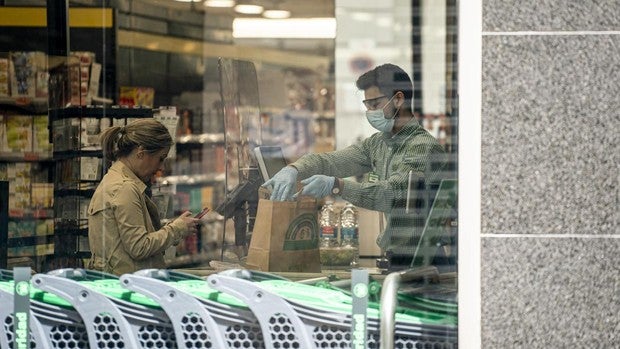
(350, 161)
(385, 194)
(390, 192)
(135, 238)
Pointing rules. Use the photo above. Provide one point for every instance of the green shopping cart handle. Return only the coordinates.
(37, 294)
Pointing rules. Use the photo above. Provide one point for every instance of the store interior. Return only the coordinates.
(288, 67)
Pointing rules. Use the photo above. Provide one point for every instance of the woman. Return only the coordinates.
(124, 229)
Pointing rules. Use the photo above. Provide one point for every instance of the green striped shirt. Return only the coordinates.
(387, 158)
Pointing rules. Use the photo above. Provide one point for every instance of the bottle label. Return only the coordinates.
(348, 233)
(327, 232)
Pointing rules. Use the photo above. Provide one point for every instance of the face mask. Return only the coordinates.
(377, 119)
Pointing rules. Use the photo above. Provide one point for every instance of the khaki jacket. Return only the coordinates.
(121, 233)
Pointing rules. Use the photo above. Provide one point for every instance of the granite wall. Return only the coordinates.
(550, 246)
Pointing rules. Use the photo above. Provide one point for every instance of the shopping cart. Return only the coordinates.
(303, 316)
(53, 322)
(115, 317)
(202, 317)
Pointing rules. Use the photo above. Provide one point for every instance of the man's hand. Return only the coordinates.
(318, 186)
(283, 184)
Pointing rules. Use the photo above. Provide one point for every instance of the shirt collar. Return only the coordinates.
(126, 173)
(404, 132)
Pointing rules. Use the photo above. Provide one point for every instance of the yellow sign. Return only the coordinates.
(37, 17)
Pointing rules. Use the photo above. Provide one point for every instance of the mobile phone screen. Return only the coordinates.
(202, 213)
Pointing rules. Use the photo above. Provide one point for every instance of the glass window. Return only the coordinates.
(360, 97)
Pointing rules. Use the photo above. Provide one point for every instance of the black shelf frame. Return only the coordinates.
(4, 222)
(100, 112)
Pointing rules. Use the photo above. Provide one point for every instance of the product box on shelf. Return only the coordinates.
(4, 77)
(41, 140)
(67, 173)
(42, 87)
(44, 249)
(18, 175)
(22, 72)
(3, 141)
(167, 115)
(21, 229)
(42, 195)
(137, 96)
(93, 85)
(44, 227)
(90, 129)
(18, 133)
(119, 122)
(60, 140)
(28, 74)
(21, 251)
(72, 208)
(65, 134)
(90, 168)
(79, 77)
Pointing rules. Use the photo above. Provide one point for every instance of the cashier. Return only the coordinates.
(400, 146)
(124, 230)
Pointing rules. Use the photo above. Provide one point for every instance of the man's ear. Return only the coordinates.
(399, 99)
(140, 152)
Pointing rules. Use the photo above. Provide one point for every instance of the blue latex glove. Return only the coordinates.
(283, 184)
(318, 186)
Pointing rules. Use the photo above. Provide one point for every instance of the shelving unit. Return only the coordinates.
(196, 180)
(26, 163)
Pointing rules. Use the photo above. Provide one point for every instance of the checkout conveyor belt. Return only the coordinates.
(77, 308)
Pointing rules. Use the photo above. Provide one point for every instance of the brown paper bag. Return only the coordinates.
(285, 237)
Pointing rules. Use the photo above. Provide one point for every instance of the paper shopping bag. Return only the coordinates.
(285, 237)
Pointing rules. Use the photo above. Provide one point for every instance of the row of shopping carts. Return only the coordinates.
(78, 308)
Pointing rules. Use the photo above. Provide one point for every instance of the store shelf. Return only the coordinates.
(35, 105)
(71, 231)
(100, 112)
(25, 157)
(74, 192)
(192, 179)
(42, 213)
(29, 241)
(69, 154)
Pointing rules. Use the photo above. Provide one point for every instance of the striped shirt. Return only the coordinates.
(387, 160)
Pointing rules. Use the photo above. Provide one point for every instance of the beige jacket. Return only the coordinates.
(121, 233)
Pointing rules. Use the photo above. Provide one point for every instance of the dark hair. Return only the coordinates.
(390, 79)
(120, 141)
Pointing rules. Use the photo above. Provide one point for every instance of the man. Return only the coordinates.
(401, 147)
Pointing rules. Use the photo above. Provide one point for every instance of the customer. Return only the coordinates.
(124, 229)
(387, 157)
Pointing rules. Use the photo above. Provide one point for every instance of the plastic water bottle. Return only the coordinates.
(349, 238)
(328, 223)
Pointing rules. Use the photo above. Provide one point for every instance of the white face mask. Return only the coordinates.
(378, 120)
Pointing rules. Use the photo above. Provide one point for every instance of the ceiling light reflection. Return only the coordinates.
(219, 3)
(276, 14)
(299, 28)
(249, 9)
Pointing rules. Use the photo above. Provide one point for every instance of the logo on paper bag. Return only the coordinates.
(302, 233)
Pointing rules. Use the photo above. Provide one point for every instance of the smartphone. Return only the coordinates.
(202, 213)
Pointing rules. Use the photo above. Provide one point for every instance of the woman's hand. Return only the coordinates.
(191, 223)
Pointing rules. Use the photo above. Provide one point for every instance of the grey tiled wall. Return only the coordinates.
(550, 174)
